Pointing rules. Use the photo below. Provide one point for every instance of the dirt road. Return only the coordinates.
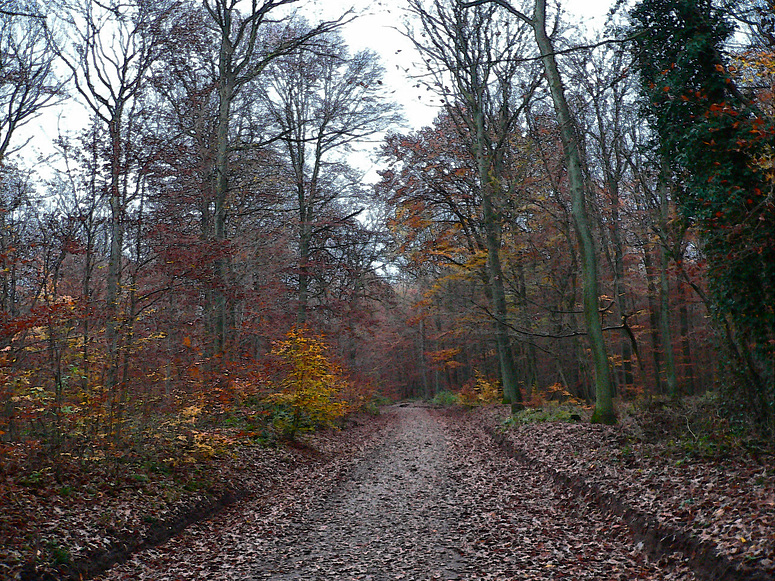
(431, 498)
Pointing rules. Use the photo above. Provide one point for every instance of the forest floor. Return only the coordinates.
(421, 493)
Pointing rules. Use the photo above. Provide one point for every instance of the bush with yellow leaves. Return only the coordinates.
(310, 390)
(482, 392)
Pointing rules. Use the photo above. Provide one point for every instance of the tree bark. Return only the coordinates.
(492, 227)
(113, 281)
(227, 81)
(664, 326)
(604, 411)
(654, 313)
(664, 297)
(686, 352)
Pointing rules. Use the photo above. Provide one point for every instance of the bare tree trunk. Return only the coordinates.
(654, 313)
(116, 249)
(664, 325)
(664, 297)
(225, 97)
(627, 377)
(604, 411)
(686, 353)
(492, 228)
(306, 197)
(423, 363)
(530, 372)
(511, 391)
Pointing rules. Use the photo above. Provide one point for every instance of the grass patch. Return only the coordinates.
(375, 402)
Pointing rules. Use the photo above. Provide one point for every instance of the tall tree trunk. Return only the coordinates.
(654, 314)
(305, 237)
(492, 227)
(686, 353)
(620, 295)
(221, 187)
(113, 279)
(422, 360)
(530, 372)
(307, 196)
(664, 296)
(604, 411)
(664, 325)
(86, 290)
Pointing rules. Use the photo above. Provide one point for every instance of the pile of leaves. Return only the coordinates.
(693, 481)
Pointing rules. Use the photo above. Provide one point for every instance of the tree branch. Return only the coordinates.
(24, 14)
(503, 4)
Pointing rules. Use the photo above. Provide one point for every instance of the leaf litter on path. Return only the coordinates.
(432, 497)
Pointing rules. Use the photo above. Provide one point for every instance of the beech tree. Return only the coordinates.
(576, 168)
(475, 59)
(605, 123)
(320, 100)
(79, 191)
(243, 55)
(110, 49)
(435, 222)
(17, 231)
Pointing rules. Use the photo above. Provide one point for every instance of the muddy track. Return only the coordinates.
(433, 498)
(393, 515)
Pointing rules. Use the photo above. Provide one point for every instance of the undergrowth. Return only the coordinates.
(550, 412)
(477, 392)
(446, 399)
(691, 428)
(551, 404)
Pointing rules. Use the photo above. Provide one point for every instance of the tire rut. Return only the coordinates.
(431, 498)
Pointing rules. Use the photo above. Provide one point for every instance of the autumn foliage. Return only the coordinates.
(714, 122)
(200, 268)
(311, 386)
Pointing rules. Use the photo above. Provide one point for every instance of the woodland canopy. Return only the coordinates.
(585, 218)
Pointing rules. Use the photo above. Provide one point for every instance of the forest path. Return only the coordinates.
(432, 498)
(394, 517)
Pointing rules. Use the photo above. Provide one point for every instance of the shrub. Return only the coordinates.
(553, 393)
(445, 398)
(483, 391)
(375, 402)
(309, 394)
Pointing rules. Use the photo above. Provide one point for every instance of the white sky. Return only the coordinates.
(377, 28)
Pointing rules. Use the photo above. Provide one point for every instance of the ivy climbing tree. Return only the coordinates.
(718, 141)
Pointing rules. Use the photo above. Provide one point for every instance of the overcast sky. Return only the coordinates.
(378, 28)
(375, 28)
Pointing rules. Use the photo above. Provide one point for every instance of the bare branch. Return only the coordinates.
(503, 4)
(22, 14)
